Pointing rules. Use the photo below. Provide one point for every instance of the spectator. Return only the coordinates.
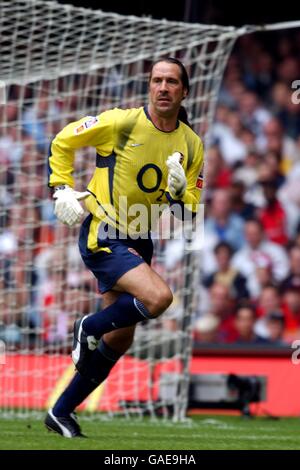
(227, 275)
(275, 324)
(253, 114)
(288, 69)
(264, 276)
(272, 216)
(222, 223)
(269, 302)
(35, 117)
(240, 207)
(289, 196)
(206, 329)
(244, 325)
(291, 309)
(293, 276)
(262, 77)
(229, 137)
(274, 139)
(259, 252)
(222, 307)
(217, 174)
(248, 172)
(273, 160)
(285, 110)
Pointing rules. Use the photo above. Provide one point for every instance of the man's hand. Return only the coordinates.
(67, 208)
(176, 176)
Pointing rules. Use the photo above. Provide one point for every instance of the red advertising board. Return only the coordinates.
(28, 381)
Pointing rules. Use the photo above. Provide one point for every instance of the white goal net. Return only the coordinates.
(59, 63)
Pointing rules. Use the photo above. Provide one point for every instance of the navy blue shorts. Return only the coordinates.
(121, 256)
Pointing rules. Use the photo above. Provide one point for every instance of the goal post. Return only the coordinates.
(59, 63)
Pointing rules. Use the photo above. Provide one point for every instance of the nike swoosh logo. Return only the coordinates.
(136, 145)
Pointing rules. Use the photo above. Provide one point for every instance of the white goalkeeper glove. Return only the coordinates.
(176, 176)
(66, 207)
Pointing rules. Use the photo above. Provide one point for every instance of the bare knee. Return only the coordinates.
(159, 301)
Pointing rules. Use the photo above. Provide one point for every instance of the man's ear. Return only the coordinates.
(184, 93)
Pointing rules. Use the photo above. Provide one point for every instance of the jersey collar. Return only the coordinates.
(149, 118)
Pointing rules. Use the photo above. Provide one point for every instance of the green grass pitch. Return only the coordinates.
(201, 432)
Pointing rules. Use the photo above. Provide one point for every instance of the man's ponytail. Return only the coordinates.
(183, 116)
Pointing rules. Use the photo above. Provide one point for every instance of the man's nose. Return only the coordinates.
(164, 85)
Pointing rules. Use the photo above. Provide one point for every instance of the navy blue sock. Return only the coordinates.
(77, 390)
(126, 311)
(102, 361)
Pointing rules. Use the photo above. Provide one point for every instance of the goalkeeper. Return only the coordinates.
(149, 155)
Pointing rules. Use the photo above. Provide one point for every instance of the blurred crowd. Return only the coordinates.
(250, 268)
(250, 291)
(44, 286)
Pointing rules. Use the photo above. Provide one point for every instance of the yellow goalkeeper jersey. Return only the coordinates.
(130, 168)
